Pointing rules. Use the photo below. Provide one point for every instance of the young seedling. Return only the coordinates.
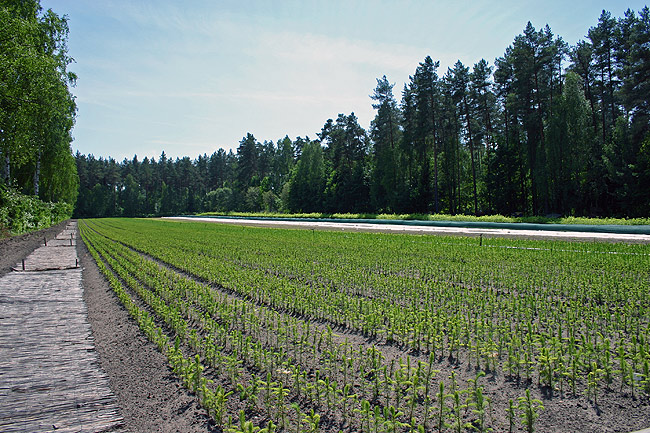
(456, 415)
(477, 401)
(244, 426)
(529, 408)
(430, 374)
(280, 393)
(345, 397)
(443, 410)
(366, 414)
(312, 420)
(593, 378)
(512, 416)
(268, 386)
(391, 421)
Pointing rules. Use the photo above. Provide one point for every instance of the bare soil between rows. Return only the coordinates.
(152, 399)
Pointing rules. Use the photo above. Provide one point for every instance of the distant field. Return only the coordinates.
(359, 332)
(443, 217)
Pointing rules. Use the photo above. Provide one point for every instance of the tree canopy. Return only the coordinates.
(37, 109)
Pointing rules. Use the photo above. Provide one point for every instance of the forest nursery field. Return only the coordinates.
(316, 331)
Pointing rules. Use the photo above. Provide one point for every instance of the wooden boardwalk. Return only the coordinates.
(50, 378)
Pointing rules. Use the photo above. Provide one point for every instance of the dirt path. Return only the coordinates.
(49, 375)
(429, 230)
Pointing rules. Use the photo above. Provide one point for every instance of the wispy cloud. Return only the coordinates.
(332, 52)
(291, 97)
(187, 144)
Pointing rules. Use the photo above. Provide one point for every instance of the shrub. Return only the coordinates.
(21, 213)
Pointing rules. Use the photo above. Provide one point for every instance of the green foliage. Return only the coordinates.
(529, 408)
(21, 213)
(220, 200)
(512, 416)
(569, 155)
(37, 109)
(345, 149)
(386, 185)
(308, 180)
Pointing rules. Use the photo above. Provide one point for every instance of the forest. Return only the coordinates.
(546, 129)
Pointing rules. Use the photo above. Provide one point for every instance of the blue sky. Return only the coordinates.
(191, 77)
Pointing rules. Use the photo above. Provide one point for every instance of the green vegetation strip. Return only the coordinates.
(589, 228)
(247, 318)
(443, 217)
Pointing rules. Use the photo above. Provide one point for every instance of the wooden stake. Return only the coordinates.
(23, 264)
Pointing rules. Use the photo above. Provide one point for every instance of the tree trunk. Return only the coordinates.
(588, 92)
(471, 153)
(611, 85)
(459, 201)
(451, 187)
(435, 159)
(7, 169)
(390, 130)
(602, 98)
(392, 200)
(37, 174)
(488, 122)
(522, 180)
(538, 146)
(435, 176)
(594, 115)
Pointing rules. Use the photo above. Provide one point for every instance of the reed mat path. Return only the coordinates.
(50, 379)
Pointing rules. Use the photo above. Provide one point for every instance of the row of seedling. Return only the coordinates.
(424, 330)
(404, 388)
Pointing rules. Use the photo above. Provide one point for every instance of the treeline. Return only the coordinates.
(547, 129)
(38, 174)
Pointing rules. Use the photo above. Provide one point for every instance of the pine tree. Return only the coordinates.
(385, 133)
